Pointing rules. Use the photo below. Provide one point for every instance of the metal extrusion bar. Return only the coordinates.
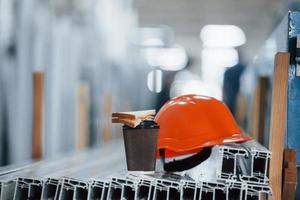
(35, 173)
(257, 192)
(231, 153)
(81, 167)
(255, 167)
(82, 178)
(115, 190)
(9, 169)
(246, 162)
(39, 174)
(167, 186)
(189, 190)
(129, 188)
(145, 189)
(7, 189)
(8, 176)
(212, 191)
(145, 186)
(235, 190)
(66, 191)
(123, 187)
(166, 189)
(28, 189)
(73, 189)
(51, 188)
(98, 189)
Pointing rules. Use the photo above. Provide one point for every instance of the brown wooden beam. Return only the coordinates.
(289, 179)
(278, 121)
(38, 87)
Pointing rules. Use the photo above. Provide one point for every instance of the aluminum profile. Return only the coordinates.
(145, 189)
(190, 190)
(73, 189)
(98, 189)
(7, 189)
(167, 189)
(257, 192)
(247, 162)
(87, 178)
(115, 190)
(210, 190)
(28, 189)
(51, 188)
(29, 180)
(8, 176)
(121, 188)
(47, 176)
(231, 191)
(145, 186)
(235, 190)
(229, 166)
(254, 168)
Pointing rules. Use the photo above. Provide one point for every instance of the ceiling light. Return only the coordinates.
(222, 36)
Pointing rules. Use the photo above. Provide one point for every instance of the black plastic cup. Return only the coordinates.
(140, 146)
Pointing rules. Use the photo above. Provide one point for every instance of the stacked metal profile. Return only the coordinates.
(244, 168)
(235, 171)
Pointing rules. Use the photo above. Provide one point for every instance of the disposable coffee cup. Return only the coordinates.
(140, 146)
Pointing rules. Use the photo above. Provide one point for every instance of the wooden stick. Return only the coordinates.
(259, 109)
(38, 86)
(263, 93)
(129, 122)
(278, 121)
(82, 139)
(241, 110)
(255, 113)
(107, 110)
(289, 175)
(134, 114)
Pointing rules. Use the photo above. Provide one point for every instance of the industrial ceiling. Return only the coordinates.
(255, 17)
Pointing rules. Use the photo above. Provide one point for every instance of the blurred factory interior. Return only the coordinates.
(117, 55)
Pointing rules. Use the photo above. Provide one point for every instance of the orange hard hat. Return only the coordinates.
(191, 122)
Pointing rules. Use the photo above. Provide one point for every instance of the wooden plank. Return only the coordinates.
(132, 115)
(263, 95)
(259, 109)
(278, 121)
(128, 122)
(38, 87)
(106, 117)
(133, 118)
(82, 139)
(255, 113)
(241, 110)
(289, 175)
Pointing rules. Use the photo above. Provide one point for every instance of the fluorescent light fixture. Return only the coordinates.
(222, 36)
(150, 54)
(219, 57)
(188, 83)
(195, 87)
(168, 59)
(151, 37)
(153, 42)
(162, 36)
(154, 81)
